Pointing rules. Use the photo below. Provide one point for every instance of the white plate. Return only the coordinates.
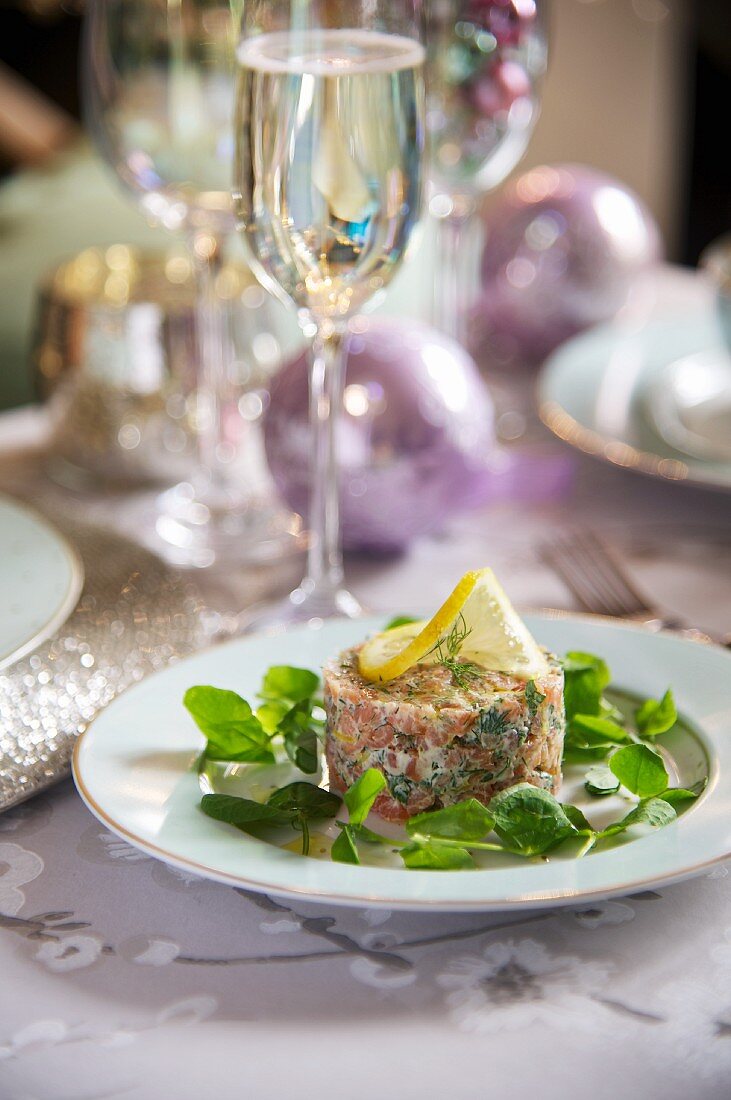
(135, 769)
(40, 580)
(594, 393)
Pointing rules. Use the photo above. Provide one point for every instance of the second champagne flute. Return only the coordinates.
(330, 137)
(158, 79)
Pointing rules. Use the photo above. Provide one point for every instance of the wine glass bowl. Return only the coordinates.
(159, 95)
(485, 66)
(330, 186)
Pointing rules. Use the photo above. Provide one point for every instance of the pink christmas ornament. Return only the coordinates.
(415, 437)
(495, 91)
(562, 244)
(506, 20)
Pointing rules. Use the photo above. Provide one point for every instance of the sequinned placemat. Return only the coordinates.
(135, 616)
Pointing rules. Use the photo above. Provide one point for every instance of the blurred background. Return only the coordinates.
(636, 88)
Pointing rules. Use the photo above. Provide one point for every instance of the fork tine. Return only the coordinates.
(602, 592)
(559, 555)
(613, 575)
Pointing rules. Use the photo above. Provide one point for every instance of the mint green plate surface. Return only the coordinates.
(135, 768)
(40, 580)
(597, 390)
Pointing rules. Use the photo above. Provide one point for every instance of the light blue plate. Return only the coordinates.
(135, 768)
(40, 580)
(595, 390)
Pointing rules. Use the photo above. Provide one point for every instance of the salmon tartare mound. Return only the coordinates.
(438, 739)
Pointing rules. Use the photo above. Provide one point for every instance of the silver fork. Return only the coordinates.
(600, 583)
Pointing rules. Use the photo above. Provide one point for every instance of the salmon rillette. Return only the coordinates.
(438, 741)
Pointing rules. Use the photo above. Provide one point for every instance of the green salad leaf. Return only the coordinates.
(585, 678)
(467, 820)
(305, 800)
(676, 796)
(344, 848)
(640, 770)
(244, 813)
(434, 855)
(359, 798)
(656, 716)
(300, 737)
(295, 805)
(601, 780)
(577, 819)
(650, 811)
(590, 737)
(530, 820)
(234, 732)
(231, 730)
(293, 685)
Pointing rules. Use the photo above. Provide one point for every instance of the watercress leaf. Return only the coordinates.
(585, 678)
(577, 819)
(676, 796)
(656, 716)
(433, 856)
(246, 742)
(366, 834)
(590, 737)
(601, 780)
(305, 800)
(400, 620)
(578, 754)
(640, 770)
(233, 732)
(530, 819)
(360, 797)
(467, 820)
(595, 730)
(344, 849)
(651, 811)
(289, 683)
(302, 748)
(244, 813)
(213, 707)
(271, 714)
(578, 661)
(533, 696)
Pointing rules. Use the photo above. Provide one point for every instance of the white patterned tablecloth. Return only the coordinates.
(124, 978)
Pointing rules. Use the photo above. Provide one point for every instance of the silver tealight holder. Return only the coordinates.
(114, 358)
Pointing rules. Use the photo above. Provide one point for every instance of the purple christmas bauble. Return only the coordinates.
(414, 438)
(562, 244)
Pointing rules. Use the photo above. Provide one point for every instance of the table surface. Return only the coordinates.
(124, 978)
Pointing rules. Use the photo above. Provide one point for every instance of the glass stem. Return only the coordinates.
(455, 275)
(212, 355)
(325, 562)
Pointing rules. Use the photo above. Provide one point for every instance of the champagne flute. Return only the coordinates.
(159, 78)
(486, 61)
(329, 136)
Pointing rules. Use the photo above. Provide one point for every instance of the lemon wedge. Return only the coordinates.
(496, 637)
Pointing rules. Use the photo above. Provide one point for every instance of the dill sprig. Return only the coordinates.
(447, 652)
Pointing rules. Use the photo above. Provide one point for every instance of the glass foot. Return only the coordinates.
(305, 606)
(195, 534)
